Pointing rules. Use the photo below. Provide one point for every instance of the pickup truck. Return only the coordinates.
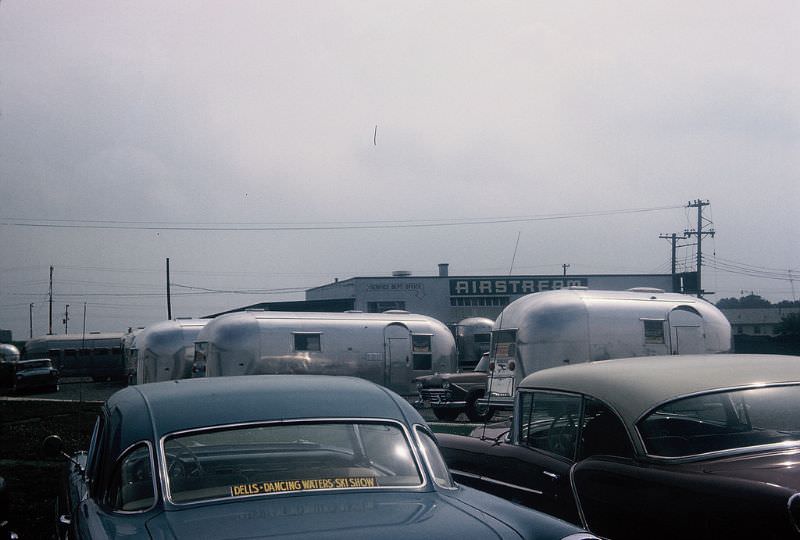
(450, 394)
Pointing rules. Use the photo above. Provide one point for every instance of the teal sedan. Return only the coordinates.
(275, 456)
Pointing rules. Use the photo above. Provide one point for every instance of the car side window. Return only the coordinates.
(433, 458)
(549, 421)
(132, 488)
(603, 433)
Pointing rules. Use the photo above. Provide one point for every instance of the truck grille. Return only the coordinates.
(436, 395)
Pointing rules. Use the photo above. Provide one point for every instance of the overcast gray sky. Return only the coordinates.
(173, 118)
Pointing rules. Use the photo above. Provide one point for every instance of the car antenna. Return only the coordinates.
(492, 342)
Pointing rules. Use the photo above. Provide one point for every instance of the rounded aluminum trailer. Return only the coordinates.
(8, 353)
(390, 348)
(472, 336)
(165, 350)
(567, 326)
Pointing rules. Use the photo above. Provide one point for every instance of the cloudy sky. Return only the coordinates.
(268, 147)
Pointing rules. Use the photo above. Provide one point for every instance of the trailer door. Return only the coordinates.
(397, 344)
(686, 331)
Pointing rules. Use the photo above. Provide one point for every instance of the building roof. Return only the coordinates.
(758, 315)
(634, 386)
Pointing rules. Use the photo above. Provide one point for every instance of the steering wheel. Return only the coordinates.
(177, 468)
(561, 434)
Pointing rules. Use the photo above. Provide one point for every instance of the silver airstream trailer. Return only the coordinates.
(568, 326)
(390, 348)
(472, 340)
(165, 350)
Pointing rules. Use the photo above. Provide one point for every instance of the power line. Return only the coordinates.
(312, 226)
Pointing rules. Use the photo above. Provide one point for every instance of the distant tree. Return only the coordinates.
(788, 303)
(789, 325)
(745, 302)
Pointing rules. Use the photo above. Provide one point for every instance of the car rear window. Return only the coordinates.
(723, 421)
(283, 458)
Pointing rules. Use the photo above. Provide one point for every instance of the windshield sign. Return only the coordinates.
(723, 421)
(284, 458)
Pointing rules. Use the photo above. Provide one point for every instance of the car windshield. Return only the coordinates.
(34, 364)
(723, 421)
(280, 458)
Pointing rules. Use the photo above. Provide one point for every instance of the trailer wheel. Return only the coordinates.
(475, 412)
(446, 415)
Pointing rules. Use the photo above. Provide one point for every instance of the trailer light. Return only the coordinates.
(511, 365)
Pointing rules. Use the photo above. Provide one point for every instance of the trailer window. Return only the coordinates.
(505, 343)
(307, 342)
(421, 347)
(653, 331)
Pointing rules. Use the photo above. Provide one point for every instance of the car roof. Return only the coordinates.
(634, 386)
(152, 410)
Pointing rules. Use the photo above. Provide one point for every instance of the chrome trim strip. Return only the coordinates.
(496, 482)
(789, 508)
(577, 498)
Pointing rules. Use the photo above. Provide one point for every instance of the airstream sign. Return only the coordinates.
(494, 286)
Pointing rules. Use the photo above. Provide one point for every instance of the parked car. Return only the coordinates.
(450, 394)
(673, 447)
(278, 456)
(29, 375)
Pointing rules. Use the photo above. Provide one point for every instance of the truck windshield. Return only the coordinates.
(723, 421)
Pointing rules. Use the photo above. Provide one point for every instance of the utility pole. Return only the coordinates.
(30, 318)
(66, 320)
(699, 233)
(169, 302)
(674, 239)
(565, 266)
(50, 324)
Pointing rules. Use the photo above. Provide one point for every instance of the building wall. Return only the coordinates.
(453, 298)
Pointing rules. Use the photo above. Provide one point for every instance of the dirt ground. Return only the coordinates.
(33, 479)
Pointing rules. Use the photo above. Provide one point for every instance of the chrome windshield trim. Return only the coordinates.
(153, 471)
(410, 440)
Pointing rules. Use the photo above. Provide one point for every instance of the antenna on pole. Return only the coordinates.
(50, 323)
(514, 257)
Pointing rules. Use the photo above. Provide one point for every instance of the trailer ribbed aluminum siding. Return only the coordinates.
(165, 350)
(390, 348)
(568, 326)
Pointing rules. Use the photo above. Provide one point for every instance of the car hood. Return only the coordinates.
(776, 468)
(343, 515)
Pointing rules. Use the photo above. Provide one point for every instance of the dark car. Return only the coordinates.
(450, 394)
(671, 447)
(29, 375)
(275, 456)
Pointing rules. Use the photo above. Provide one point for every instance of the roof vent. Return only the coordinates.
(401, 273)
(646, 290)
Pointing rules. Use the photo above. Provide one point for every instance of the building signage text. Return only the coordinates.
(495, 286)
